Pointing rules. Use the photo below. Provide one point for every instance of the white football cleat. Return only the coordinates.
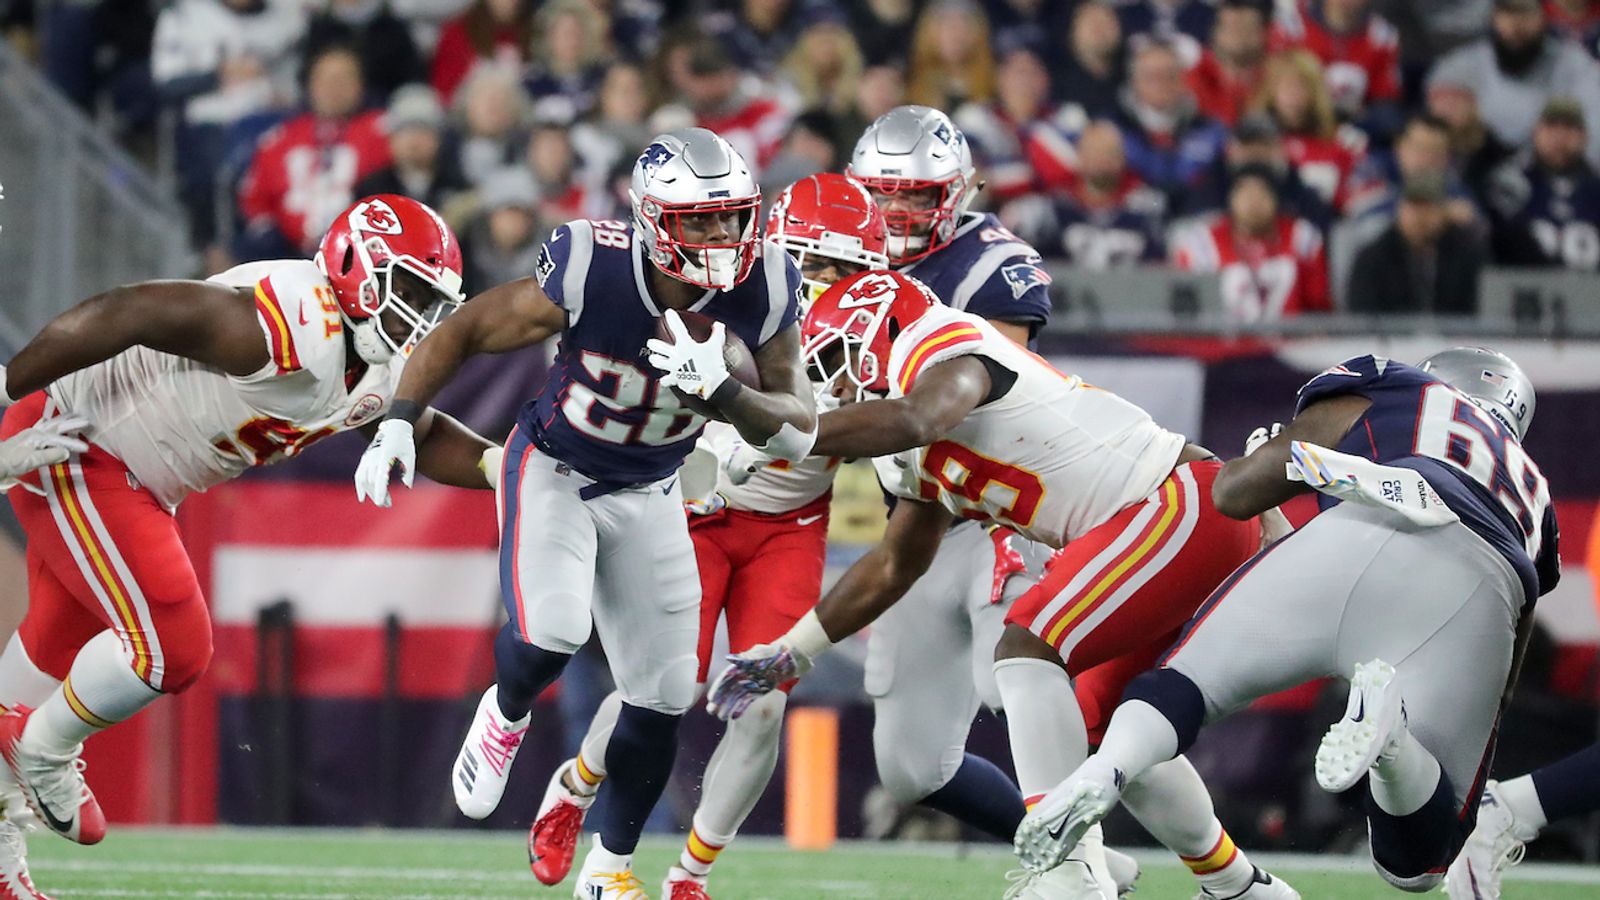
(1374, 721)
(1263, 886)
(607, 876)
(484, 763)
(553, 839)
(1052, 829)
(1071, 880)
(681, 885)
(1124, 871)
(14, 881)
(1496, 844)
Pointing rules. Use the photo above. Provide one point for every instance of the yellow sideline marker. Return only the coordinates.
(811, 801)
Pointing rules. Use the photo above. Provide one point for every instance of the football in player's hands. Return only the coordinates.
(736, 356)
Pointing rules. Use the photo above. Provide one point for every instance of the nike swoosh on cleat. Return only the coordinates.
(55, 823)
(1056, 832)
(1361, 710)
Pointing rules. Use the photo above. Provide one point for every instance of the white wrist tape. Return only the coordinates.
(489, 463)
(807, 638)
(5, 393)
(790, 443)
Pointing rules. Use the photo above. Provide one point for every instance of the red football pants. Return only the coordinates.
(103, 552)
(1115, 599)
(763, 572)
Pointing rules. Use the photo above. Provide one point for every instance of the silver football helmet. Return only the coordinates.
(1491, 379)
(690, 177)
(915, 148)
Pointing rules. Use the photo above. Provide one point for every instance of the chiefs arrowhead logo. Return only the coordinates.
(378, 216)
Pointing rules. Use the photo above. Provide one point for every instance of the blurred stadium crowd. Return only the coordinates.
(1430, 136)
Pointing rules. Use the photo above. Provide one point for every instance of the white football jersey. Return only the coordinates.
(181, 426)
(1053, 458)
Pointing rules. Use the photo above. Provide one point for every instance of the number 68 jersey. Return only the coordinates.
(1052, 457)
(181, 426)
(1476, 463)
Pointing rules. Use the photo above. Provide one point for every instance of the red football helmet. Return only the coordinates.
(851, 328)
(359, 256)
(831, 216)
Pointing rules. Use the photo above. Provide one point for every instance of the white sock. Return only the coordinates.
(1172, 803)
(100, 691)
(735, 777)
(1523, 799)
(1405, 778)
(1048, 738)
(590, 769)
(21, 682)
(1138, 739)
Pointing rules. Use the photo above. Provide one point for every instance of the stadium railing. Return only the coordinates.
(1528, 303)
(79, 214)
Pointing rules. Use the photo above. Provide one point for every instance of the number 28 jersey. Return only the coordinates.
(181, 426)
(603, 410)
(1475, 463)
(1052, 458)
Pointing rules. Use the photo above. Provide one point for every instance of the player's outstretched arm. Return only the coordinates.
(508, 317)
(206, 322)
(873, 584)
(504, 318)
(781, 419)
(451, 453)
(943, 395)
(1251, 485)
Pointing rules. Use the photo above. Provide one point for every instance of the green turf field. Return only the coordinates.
(237, 863)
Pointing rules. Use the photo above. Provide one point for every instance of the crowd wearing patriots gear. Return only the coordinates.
(1109, 133)
(851, 400)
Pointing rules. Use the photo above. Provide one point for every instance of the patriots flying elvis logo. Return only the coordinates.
(1023, 276)
(653, 158)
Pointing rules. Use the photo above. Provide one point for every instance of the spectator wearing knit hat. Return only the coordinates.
(389, 55)
(502, 243)
(423, 169)
(1544, 204)
(1518, 67)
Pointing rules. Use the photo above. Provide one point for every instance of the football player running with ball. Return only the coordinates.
(977, 427)
(176, 386)
(593, 532)
(1417, 581)
(761, 546)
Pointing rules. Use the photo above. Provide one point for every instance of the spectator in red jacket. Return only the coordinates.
(496, 30)
(1326, 156)
(1271, 265)
(1360, 54)
(306, 169)
(1229, 71)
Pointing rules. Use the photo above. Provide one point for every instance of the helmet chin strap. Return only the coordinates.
(369, 342)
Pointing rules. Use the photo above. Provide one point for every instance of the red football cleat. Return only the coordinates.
(680, 885)
(553, 839)
(53, 785)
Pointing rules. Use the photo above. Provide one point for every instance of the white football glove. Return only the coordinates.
(743, 462)
(694, 367)
(1260, 436)
(394, 445)
(1392, 488)
(45, 444)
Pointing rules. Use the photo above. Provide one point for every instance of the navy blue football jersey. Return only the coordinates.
(603, 410)
(1542, 219)
(988, 271)
(1473, 460)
